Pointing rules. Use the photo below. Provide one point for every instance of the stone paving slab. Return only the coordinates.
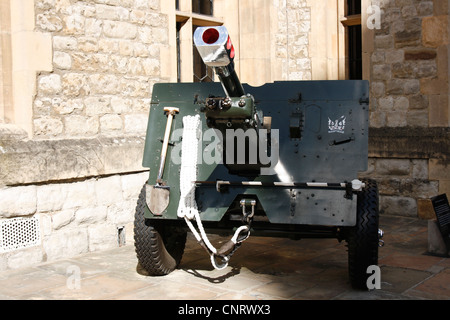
(262, 269)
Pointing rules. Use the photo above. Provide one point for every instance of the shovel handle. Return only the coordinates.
(170, 112)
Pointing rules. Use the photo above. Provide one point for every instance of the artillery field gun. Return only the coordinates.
(277, 160)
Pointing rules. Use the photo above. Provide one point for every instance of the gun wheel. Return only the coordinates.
(363, 237)
(159, 247)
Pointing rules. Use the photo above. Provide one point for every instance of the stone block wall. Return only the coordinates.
(78, 170)
(409, 116)
(291, 40)
(106, 58)
(409, 78)
(75, 217)
(401, 183)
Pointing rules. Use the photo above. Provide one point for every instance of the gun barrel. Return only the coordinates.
(215, 47)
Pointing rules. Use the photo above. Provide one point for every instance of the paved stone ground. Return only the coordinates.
(262, 269)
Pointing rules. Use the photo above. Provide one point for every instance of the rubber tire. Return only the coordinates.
(159, 247)
(363, 237)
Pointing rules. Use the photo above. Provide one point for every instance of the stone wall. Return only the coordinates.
(80, 170)
(75, 217)
(402, 182)
(291, 40)
(409, 116)
(410, 66)
(105, 62)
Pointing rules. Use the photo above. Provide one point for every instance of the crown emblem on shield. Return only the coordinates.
(337, 125)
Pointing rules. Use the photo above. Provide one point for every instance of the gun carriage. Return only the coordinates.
(281, 160)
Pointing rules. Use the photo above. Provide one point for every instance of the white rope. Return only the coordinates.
(213, 262)
(188, 172)
(234, 239)
(187, 207)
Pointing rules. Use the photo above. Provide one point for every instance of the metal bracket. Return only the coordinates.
(244, 203)
(348, 190)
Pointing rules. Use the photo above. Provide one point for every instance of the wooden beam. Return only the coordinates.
(352, 20)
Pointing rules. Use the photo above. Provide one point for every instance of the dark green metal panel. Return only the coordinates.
(329, 145)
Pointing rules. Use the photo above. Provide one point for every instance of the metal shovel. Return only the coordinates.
(158, 195)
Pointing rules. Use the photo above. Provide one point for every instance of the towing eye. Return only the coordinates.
(223, 255)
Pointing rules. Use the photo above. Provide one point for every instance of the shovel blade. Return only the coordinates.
(157, 199)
